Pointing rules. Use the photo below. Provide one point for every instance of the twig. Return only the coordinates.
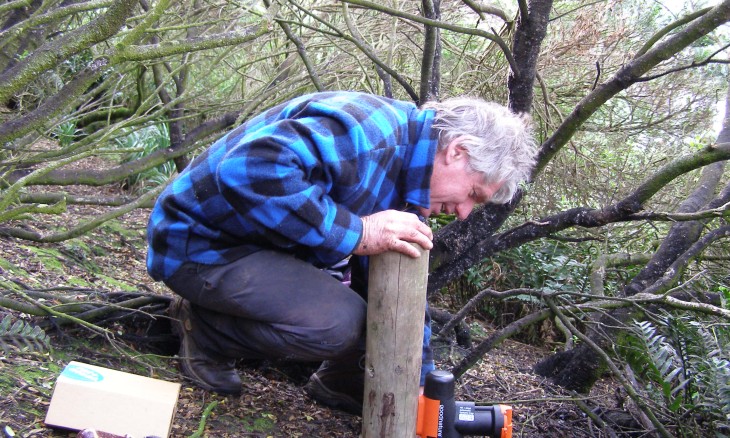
(64, 316)
(132, 305)
(302, 51)
(201, 427)
(667, 29)
(461, 314)
(426, 21)
(595, 418)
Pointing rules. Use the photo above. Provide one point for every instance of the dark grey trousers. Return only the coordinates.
(270, 305)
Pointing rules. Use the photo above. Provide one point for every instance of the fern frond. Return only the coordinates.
(685, 361)
(22, 336)
(664, 365)
(722, 370)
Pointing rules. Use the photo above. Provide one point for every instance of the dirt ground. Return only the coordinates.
(273, 403)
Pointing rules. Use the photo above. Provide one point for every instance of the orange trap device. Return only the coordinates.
(440, 416)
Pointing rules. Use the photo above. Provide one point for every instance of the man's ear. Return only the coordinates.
(455, 151)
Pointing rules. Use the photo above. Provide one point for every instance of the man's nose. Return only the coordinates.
(464, 209)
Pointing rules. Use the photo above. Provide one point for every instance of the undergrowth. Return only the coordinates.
(684, 367)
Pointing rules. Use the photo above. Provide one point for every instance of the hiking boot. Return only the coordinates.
(210, 374)
(339, 385)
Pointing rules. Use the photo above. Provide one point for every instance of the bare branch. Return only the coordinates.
(668, 28)
(369, 52)
(674, 271)
(615, 371)
(465, 30)
(431, 52)
(301, 50)
(7, 35)
(694, 64)
(482, 8)
(579, 216)
(628, 75)
(85, 227)
(722, 211)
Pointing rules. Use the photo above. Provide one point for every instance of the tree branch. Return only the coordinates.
(529, 35)
(615, 371)
(14, 4)
(481, 9)
(9, 34)
(301, 50)
(368, 52)
(594, 305)
(722, 211)
(67, 97)
(439, 24)
(476, 299)
(668, 28)
(70, 199)
(627, 76)
(156, 51)
(429, 64)
(58, 50)
(84, 227)
(693, 64)
(675, 270)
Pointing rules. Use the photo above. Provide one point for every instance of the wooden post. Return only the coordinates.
(396, 306)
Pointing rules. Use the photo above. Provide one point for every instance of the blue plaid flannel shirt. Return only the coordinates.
(297, 177)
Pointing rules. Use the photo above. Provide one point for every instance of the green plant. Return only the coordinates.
(549, 266)
(538, 265)
(22, 336)
(724, 296)
(66, 133)
(682, 363)
(140, 143)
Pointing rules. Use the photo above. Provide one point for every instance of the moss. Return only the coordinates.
(50, 258)
(99, 251)
(9, 285)
(79, 253)
(39, 375)
(263, 424)
(115, 227)
(116, 283)
(79, 282)
(7, 266)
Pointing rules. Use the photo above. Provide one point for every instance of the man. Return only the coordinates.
(245, 233)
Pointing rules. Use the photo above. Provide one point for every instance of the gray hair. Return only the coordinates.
(499, 142)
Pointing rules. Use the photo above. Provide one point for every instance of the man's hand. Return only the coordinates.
(392, 230)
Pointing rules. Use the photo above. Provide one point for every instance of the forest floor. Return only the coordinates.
(111, 259)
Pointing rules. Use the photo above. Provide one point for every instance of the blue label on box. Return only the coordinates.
(78, 372)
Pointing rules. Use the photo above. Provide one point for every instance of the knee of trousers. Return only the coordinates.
(343, 335)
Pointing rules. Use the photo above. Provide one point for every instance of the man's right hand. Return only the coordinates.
(393, 230)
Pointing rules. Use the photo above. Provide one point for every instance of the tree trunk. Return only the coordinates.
(457, 239)
(530, 32)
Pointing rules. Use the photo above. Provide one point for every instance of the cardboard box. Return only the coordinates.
(92, 397)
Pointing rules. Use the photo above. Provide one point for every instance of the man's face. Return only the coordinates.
(455, 188)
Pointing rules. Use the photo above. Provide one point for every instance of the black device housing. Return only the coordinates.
(458, 418)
